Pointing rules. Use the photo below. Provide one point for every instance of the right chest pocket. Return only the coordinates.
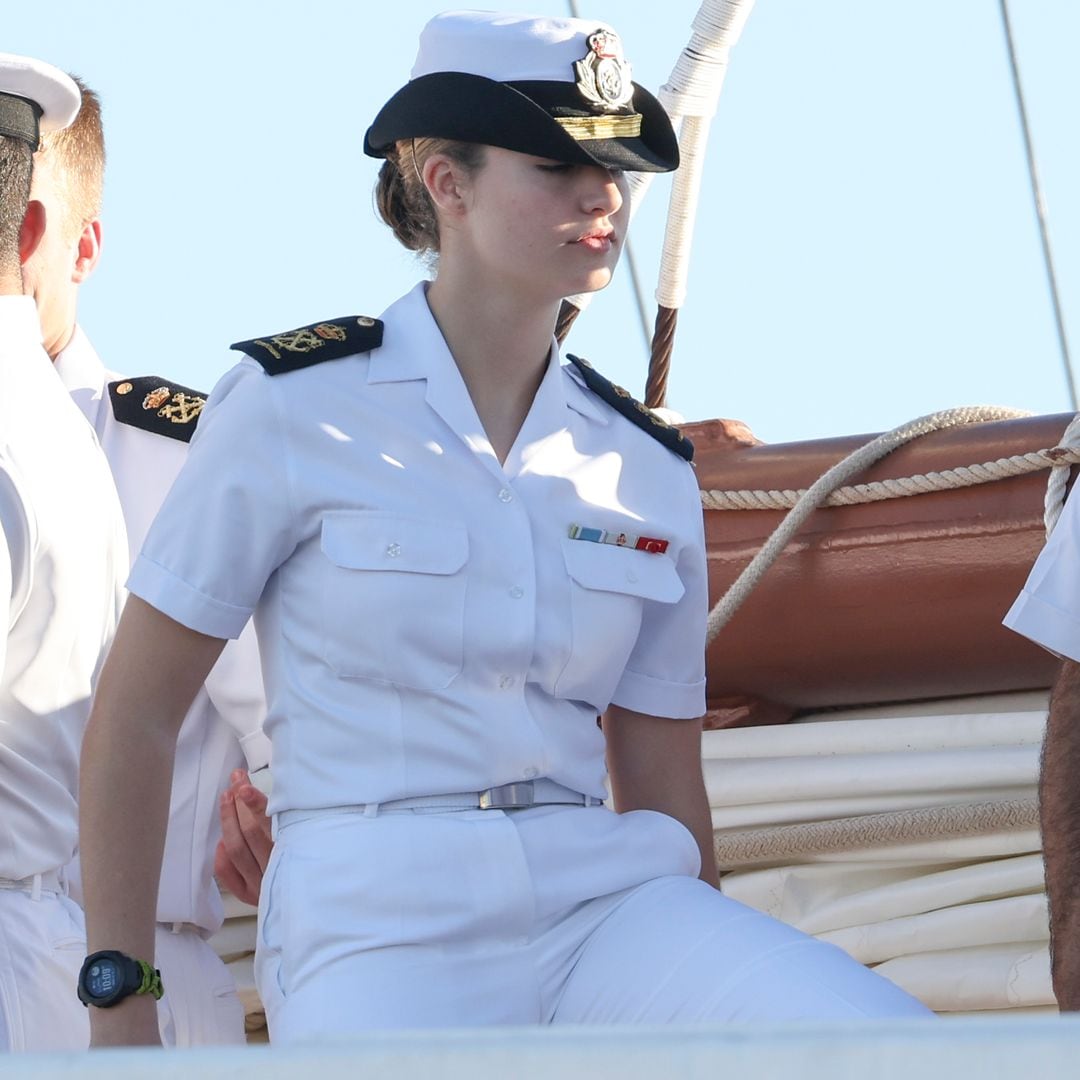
(394, 597)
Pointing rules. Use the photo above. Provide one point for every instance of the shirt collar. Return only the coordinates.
(581, 399)
(78, 365)
(20, 327)
(413, 345)
(412, 341)
(83, 375)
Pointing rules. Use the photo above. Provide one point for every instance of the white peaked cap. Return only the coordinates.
(550, 87)
(43, 85)
(503, 47)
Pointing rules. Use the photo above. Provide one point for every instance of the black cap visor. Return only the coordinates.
(472, 108)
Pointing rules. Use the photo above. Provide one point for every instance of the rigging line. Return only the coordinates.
(1040, 208)
(628, 252)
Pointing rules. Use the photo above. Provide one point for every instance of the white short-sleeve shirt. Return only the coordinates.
(1048, 608)
(427, 625)
(227, 713)
(63, 555)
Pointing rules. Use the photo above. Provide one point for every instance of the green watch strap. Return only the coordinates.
(151, 981)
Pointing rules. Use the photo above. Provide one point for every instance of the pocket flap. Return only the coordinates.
(623, 570)
(380, 540)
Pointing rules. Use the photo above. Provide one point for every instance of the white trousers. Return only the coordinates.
(200, 1006)
(548, 915)
(42, 945)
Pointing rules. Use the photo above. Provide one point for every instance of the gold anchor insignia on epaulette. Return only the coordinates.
(183, 408)
(644, 409)
(305, 340)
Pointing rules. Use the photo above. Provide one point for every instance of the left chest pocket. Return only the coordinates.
(394, 597)
(608, 586)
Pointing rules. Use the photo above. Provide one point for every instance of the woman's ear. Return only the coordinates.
(444, 181)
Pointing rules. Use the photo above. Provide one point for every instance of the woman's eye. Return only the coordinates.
(556, 167)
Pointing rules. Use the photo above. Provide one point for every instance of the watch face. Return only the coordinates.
(103, 978)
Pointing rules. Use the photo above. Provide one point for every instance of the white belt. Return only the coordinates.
(516, 796)
(35, 884)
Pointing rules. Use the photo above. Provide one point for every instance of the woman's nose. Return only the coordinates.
(604, 193)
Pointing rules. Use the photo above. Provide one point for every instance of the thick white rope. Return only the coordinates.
(1059, 475)
(785, 843)
(691, 90)
(692, 93)
(818, 493)
(1058, 460)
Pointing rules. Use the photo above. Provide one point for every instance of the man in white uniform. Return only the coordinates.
(62, 557)
(144, 425)
(1048, 612)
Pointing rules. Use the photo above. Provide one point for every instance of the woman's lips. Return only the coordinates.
(598, 241)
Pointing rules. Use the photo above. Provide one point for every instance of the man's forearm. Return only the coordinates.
(1059, 810)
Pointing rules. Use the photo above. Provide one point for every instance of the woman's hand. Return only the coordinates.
(655, 764)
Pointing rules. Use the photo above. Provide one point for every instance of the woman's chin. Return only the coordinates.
(592, 282)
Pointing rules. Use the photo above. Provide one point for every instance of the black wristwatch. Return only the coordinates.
(108, 977)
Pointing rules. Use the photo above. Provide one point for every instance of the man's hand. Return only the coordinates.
(245, 845)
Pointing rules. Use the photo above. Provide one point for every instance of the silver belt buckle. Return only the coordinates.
(508, 796)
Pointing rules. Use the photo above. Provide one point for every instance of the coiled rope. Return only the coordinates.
(779, 843)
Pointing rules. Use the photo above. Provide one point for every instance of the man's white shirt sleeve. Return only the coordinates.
(1048, 608)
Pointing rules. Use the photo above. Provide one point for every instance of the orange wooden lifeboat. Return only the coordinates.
(899, 600)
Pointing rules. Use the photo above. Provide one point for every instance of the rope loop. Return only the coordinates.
(1059, 476)
(819, 493)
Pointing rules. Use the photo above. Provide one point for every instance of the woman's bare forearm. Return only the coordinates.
(655, 764)
(1059, 811)
(149, 680)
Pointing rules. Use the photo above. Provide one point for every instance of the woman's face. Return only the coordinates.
(545, 227)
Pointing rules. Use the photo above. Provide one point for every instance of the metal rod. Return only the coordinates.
(628, 255)
(1040, 209)
(639, 295)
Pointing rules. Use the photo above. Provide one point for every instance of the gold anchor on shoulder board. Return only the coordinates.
(305, 340)
(183, 408)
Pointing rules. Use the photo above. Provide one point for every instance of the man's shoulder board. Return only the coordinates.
(634, 411)
(158, 405)
(313, 344)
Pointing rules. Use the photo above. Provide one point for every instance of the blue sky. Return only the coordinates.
(866, 251)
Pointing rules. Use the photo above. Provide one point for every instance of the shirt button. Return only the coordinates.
(517, 592)
(531, 773)
(506, 495)
(393, 550)
(631, 576)
(505, 682)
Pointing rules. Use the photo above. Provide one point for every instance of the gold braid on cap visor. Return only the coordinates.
(600, 127)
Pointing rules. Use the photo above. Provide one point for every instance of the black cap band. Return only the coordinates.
(19, 119)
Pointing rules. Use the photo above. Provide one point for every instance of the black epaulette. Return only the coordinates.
(155, 404)
(313, 344)
(621, 400)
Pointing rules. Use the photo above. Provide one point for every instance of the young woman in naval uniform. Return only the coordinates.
(458, 551)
